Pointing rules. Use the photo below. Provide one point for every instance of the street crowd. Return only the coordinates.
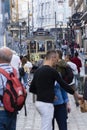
(49, 84)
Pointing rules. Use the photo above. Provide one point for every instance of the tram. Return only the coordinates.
(39, 44)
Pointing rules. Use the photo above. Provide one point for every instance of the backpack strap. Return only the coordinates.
(14, 71)
(6, 74)
(2, 71)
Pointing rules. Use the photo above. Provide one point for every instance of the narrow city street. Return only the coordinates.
(30, 28)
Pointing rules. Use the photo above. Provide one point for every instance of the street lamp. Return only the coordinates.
(28, 18)
(55, 30)
(20, 25)
(32, 18)
(60, 23)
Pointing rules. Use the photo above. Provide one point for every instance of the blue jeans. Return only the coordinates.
(60, 114)
(7, 120)
(25, 79)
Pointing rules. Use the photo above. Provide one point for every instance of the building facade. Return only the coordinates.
(40, 13)
(45, 14)
(80, 7)
(50, 13)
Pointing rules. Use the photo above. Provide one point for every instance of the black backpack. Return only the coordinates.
(67, 74)
(21, 71)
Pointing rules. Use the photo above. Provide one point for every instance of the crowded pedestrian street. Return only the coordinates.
(76, 119)
(43, 64)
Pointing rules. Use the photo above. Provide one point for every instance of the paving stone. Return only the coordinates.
(76, 119)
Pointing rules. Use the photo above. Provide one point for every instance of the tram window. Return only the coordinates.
(41, 46)
(49, 45)
(32, 46)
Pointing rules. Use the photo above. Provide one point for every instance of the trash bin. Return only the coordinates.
(85, 66)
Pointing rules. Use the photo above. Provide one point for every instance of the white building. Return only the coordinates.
(47, 13)
(44, 13)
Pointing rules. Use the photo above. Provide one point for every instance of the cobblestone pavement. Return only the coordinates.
(76, 119)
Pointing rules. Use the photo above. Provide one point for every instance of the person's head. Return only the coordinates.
(5, 55)
(51, 58)
(26, 57)
(67, 57)
(21, 57)
(76, 54)
(24, 60)
(59, 54)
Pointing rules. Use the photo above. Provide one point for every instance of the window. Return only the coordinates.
(41, 46)
(32, 46)
(49, 45)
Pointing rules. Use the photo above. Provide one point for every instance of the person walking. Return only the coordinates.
(28, 65)
(43, 85)
(61, 107)
(61, 102)
(25, 72)
(75, 72)
(76, 60)
(7, 119)
(16, 62)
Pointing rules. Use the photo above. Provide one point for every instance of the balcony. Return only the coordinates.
(71, 2)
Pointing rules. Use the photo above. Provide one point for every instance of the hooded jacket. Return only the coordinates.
(61, 66)
(60, 93)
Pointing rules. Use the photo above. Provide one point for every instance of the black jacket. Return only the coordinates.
(43, 83)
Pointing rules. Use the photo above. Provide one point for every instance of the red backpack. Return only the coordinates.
(14, 95)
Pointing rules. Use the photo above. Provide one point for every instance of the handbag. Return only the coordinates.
(83, 105)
